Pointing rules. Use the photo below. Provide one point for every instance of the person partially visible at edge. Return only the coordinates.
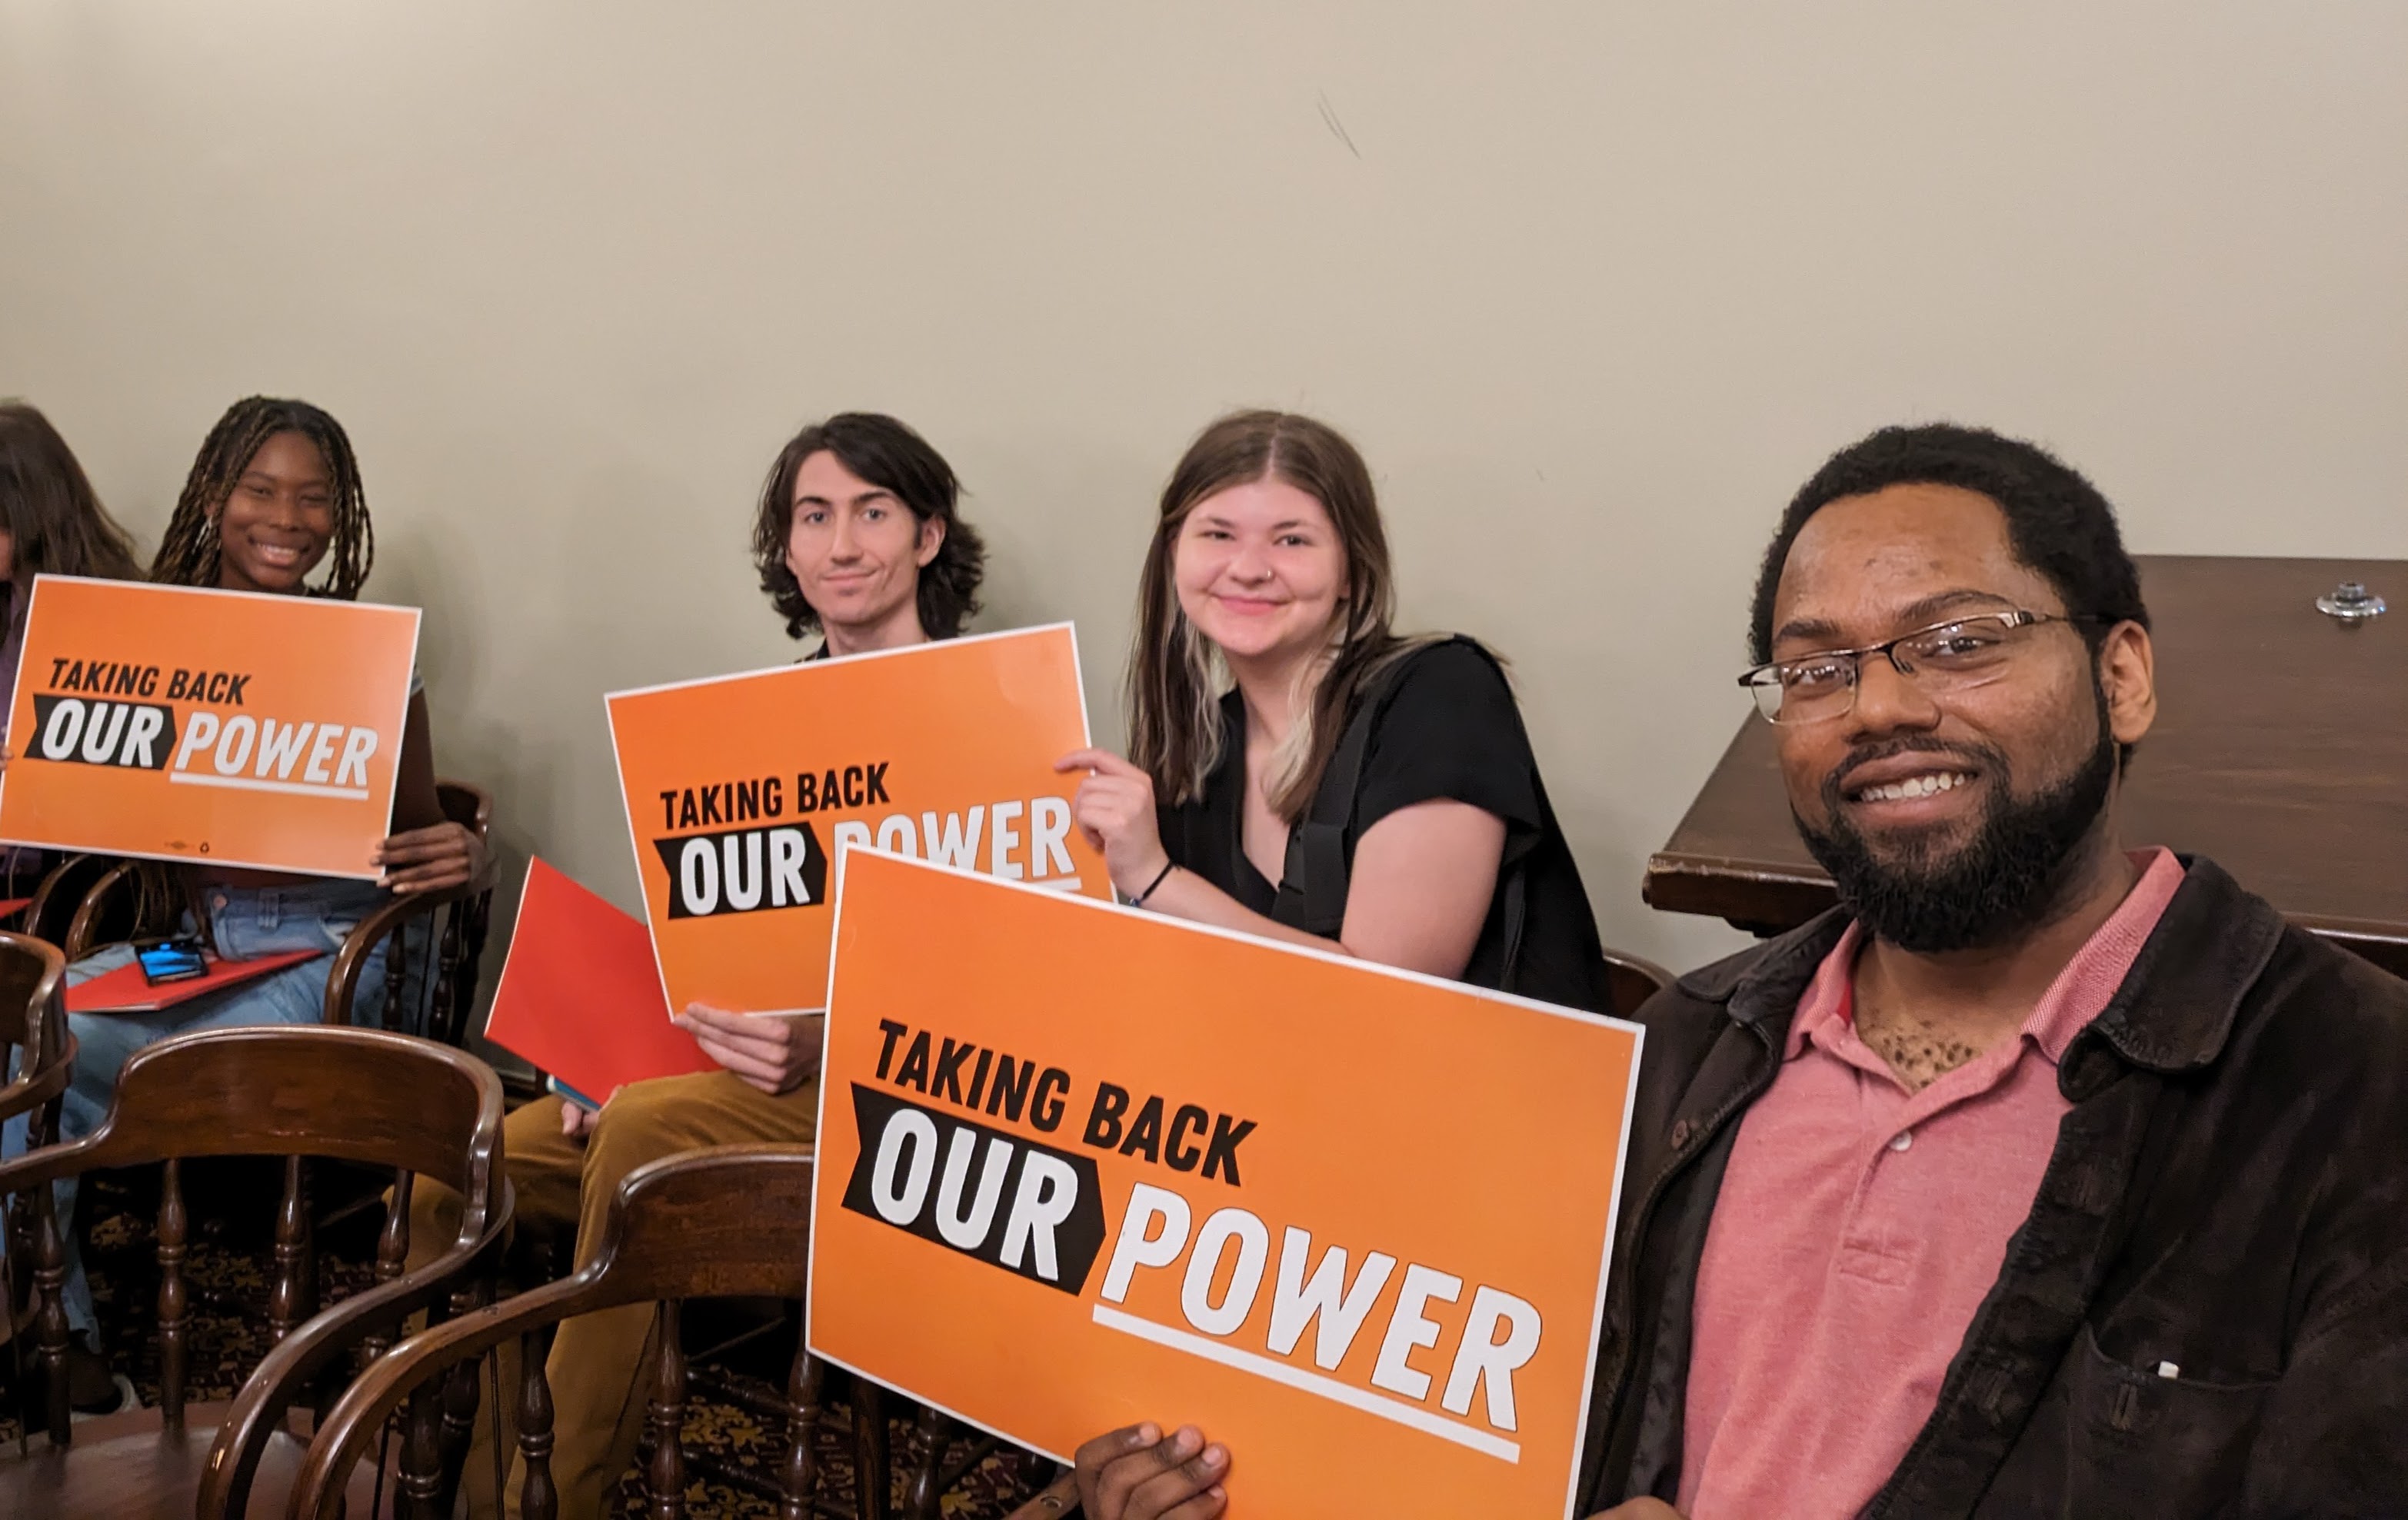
(857, 539)
(1263, 638)
(51, 522)
(274, 493)
(2044, 1175)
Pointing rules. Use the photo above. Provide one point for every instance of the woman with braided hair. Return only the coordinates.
(274, 494)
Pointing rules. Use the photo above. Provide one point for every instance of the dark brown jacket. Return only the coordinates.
(2229, 1194)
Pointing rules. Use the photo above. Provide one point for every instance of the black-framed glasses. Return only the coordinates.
(1954, 655)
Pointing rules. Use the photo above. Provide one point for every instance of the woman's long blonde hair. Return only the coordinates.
(1177, 676)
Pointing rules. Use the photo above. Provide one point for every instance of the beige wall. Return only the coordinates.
(1593, 285)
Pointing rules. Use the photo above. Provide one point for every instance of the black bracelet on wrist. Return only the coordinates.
(1168, 867)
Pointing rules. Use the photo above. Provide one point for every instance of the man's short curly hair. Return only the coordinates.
(890, 455)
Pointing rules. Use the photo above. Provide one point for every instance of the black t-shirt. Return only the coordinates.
(1446, 728)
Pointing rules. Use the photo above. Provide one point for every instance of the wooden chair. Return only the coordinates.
(449, 930)
(731, 1221)
(1630, 981)
(361, 1095)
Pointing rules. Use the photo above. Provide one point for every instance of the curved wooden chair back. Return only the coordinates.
(52, 914)
(34, 1039)
(731, 1221)
(108, 911)
(1630, 981)
(36, 1045)
(359, 1095)
(434, 941)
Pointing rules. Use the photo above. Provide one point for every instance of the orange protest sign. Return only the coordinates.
(229, 726)
(1081, 1167)
(742, 790)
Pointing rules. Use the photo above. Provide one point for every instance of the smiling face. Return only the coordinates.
(1260, 572)
(857, 550)
(1948, 818)
(274, 527)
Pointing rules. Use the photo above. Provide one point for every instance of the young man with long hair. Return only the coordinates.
(856, 538)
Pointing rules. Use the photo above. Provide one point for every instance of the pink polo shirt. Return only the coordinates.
(1858, 1228)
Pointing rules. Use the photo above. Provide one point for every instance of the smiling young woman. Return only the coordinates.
(274, 494)
(1300, 771)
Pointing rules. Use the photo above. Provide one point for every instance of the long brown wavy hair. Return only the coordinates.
(53, 518)
(1176, 676)
(189, 550)
(889, 455)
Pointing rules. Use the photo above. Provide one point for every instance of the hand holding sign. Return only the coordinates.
(1114, 811)
(741, 791)
(1237, 1208)
(1139, 1473)
(774, 1052)
(227, 727)
(430, 859)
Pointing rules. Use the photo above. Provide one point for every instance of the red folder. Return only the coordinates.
(580, 996)
(126, 990)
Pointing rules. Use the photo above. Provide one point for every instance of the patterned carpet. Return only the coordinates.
(229, 1269)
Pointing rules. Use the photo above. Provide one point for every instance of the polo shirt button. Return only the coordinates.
(1904, 1140)
(1681, 1133)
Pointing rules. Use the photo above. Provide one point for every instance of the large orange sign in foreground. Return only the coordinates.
(742, 790)
(225, 727)
(1081, 1167)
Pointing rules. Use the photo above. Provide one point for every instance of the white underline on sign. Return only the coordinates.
(244, 783)
(1313, 1382)
(1058, 884)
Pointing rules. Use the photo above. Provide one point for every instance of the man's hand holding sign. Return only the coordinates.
(1063, 1145)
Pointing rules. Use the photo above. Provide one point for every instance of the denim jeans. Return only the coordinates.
(246, 921)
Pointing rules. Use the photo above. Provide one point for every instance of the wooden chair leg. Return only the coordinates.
(292, 1297)
(50, 1315)
(538, 1499)
(417, 1489)
(173, 1300)
(805, 1389)
(666, 1419)
(928, 1483)
(873, 1477)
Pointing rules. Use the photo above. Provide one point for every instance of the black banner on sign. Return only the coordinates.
(744, 871)
(1012, 1203)
(86, 731)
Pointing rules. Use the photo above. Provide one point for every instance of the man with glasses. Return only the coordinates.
(2043, 1176)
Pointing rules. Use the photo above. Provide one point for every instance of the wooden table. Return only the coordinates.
(2279, 751)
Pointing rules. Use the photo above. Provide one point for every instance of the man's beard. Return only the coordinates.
(2005, 881)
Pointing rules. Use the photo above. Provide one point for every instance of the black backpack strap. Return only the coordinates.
(1313, 882)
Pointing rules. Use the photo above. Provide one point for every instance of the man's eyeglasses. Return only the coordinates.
(1954, 655)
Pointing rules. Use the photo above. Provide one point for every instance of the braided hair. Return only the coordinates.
(188, 550)
(188, 556)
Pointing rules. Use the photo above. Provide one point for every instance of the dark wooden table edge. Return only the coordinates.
(1762, 897)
